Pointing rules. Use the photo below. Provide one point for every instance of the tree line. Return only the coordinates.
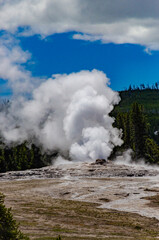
(22, 156)
(143, 87)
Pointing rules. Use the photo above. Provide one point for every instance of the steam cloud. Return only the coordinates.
(69, 113)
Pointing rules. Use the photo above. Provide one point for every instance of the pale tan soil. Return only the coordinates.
(76, 205)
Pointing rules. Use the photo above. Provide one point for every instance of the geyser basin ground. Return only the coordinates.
(84, 201)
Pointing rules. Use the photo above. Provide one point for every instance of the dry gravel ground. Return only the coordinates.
(85, 201)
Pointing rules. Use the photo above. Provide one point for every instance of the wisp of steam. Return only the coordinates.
(66, 113)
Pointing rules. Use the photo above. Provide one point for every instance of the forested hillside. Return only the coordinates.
(138, 117)
(149, 99)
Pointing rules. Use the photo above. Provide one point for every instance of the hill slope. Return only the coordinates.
(149, 98)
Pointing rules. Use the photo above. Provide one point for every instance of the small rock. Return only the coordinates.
(100, 161)
(65, 193)
(130, 175)
(104, 199)
(91, 170)
(122, 194)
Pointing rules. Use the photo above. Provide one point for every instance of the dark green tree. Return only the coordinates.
(8, 226)
(152, 151)
(138, 130)
(3, 163)
(126, 136)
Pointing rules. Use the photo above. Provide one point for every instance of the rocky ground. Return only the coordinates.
(80, 170)
(85, 201)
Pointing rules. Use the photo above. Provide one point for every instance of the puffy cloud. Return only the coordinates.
(12, 58)
(133, 21)
(43, 16)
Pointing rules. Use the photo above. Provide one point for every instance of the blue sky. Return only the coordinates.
(45, 37)
(124, 64)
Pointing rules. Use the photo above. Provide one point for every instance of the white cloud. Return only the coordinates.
(118, 21)
(12, 58)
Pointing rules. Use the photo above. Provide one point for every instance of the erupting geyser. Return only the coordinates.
(69, 113)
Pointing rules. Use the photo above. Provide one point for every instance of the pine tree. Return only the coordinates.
(152, 151)
(8, 226)
(126, 137)
(3, 163)
(138, 130)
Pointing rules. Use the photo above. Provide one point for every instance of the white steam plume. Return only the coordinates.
(69, 113)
